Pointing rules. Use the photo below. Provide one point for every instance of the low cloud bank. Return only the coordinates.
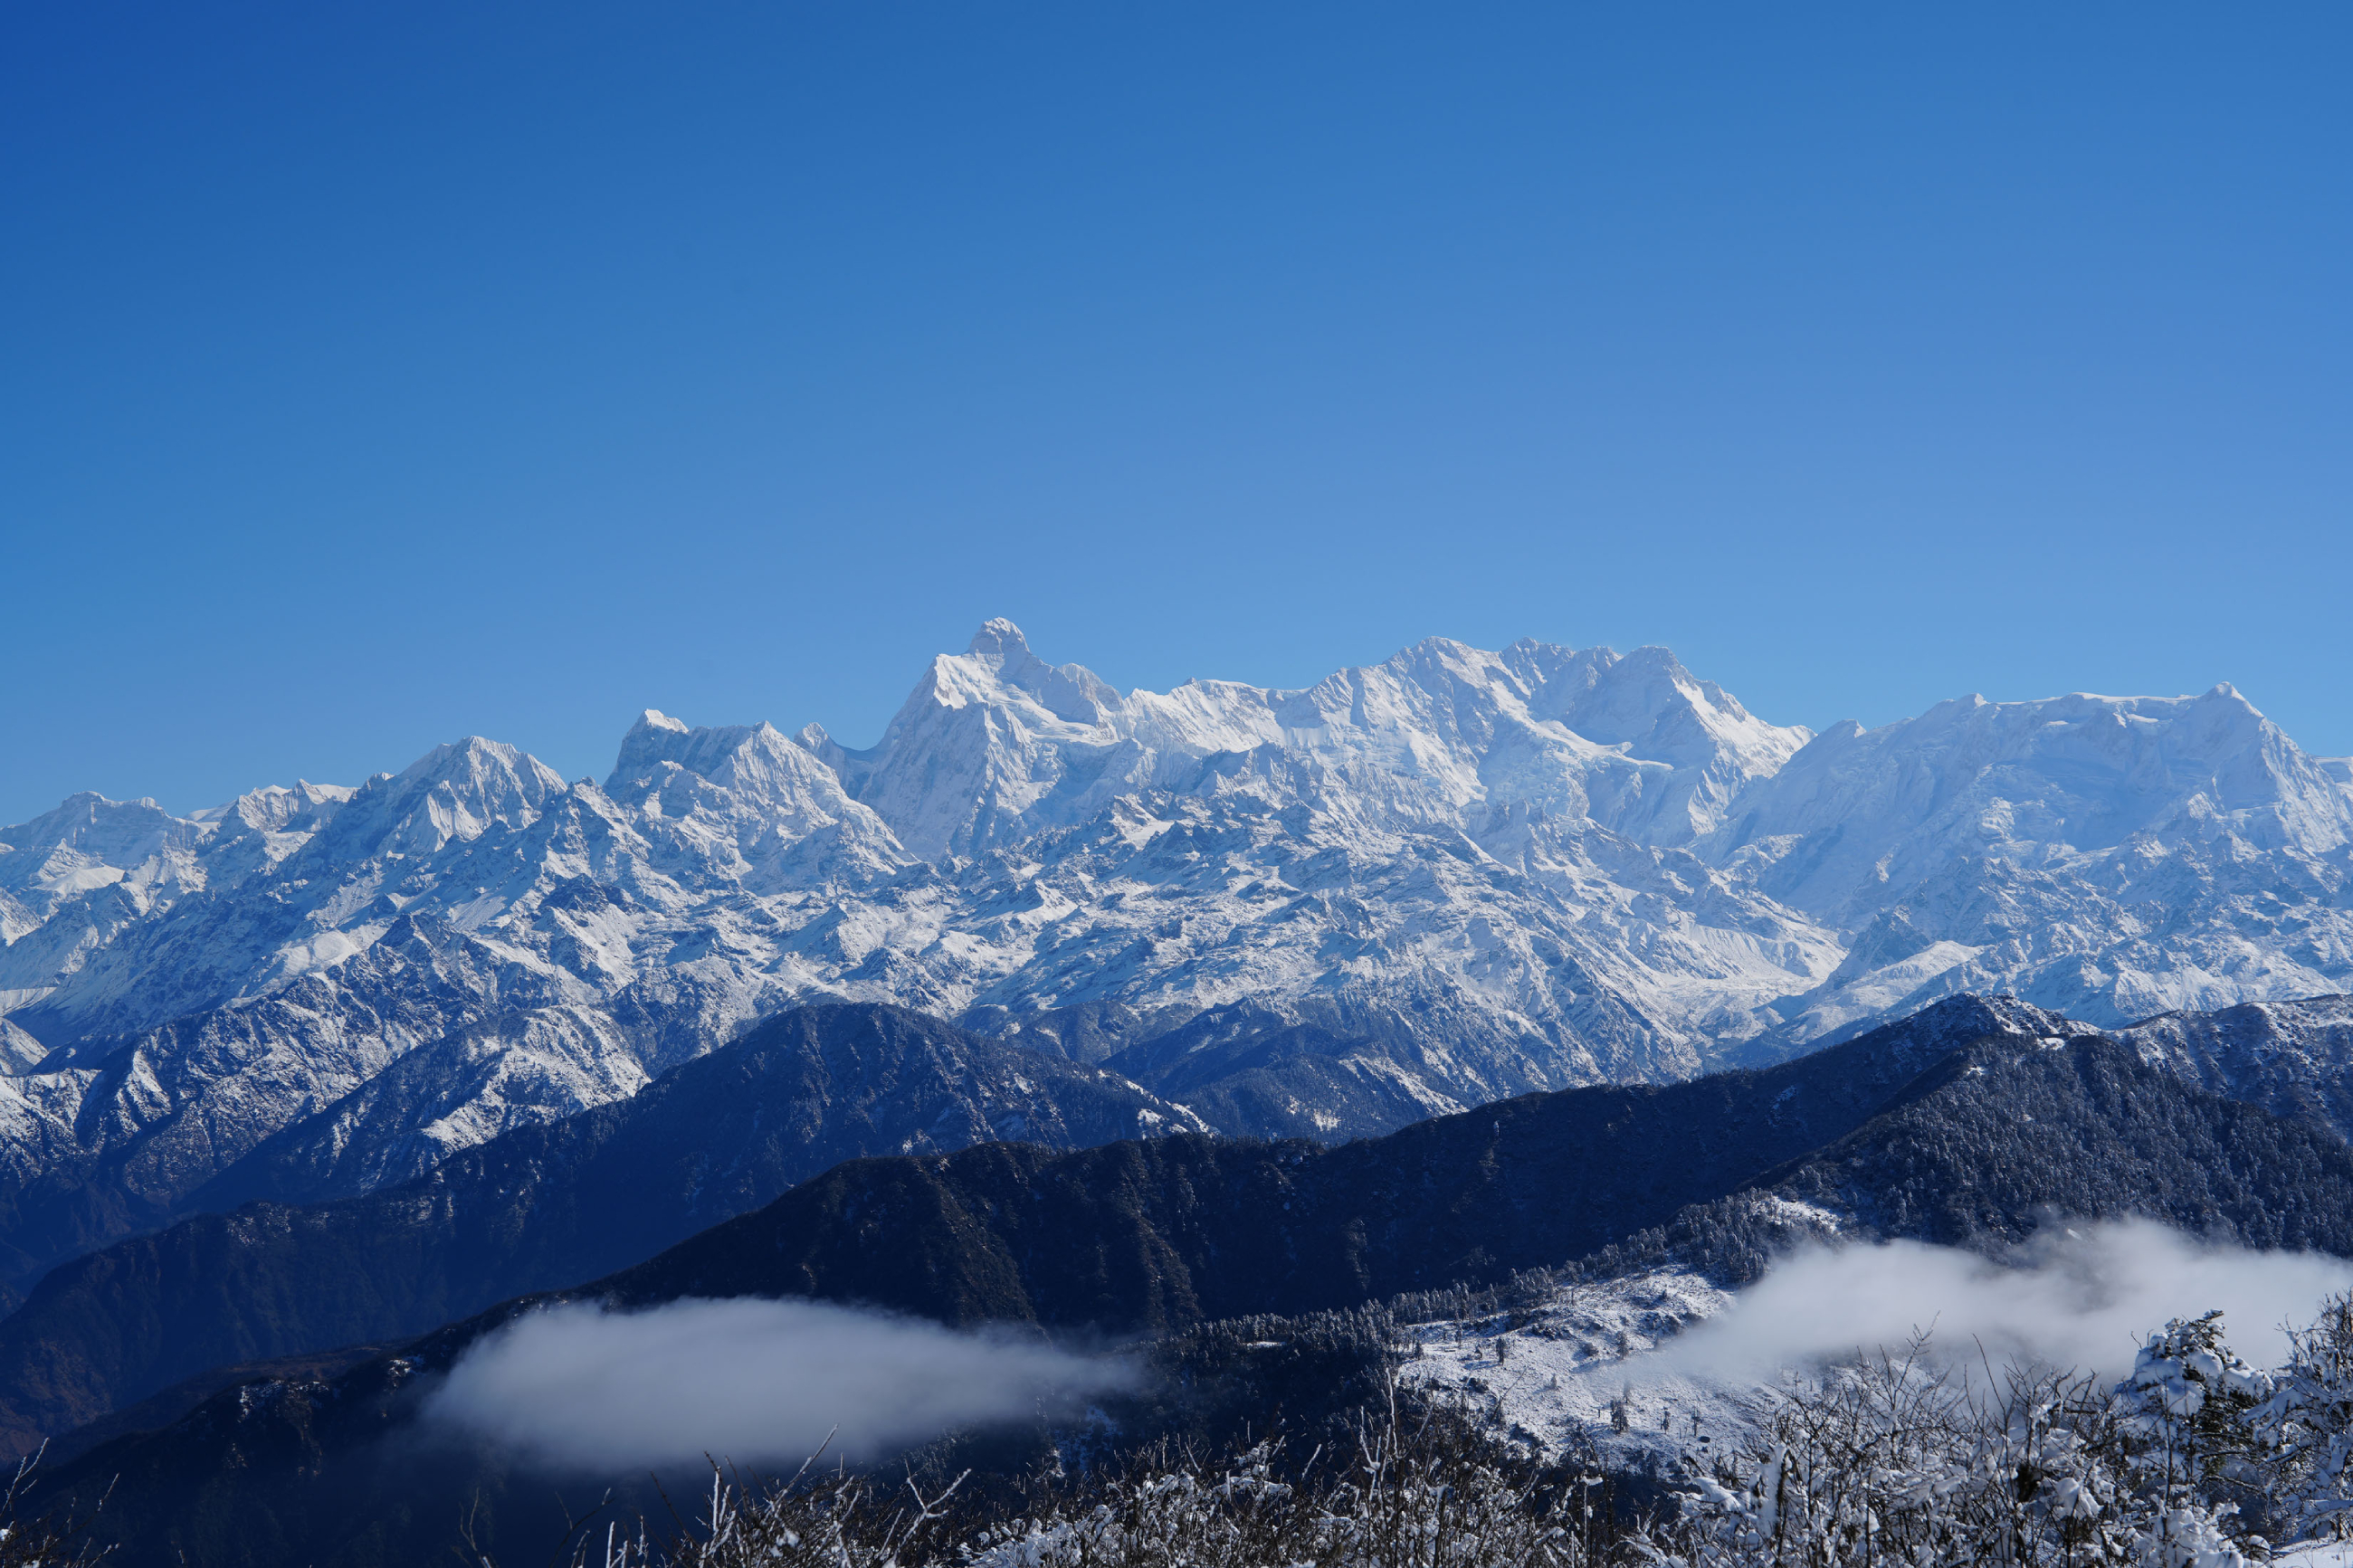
(757, 1383)
(2081, 1297)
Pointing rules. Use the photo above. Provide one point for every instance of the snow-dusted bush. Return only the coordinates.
(1416, 1491)
(1900, 1461)
(1896, 1461)
(1406, 1502)
(2306, 1426)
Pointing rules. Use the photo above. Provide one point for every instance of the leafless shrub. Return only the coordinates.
(1416, 1488)
(52, 1539)
(1897, 1460)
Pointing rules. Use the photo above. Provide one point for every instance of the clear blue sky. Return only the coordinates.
(375, 375)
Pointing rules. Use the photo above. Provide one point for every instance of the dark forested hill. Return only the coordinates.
(1981, 1147)
(539, 1208)
(550, 1206)
(1997, 1141)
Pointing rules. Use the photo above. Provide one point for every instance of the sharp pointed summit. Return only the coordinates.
(999, 638)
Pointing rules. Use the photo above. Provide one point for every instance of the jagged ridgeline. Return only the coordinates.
(1913, 1130)
(1411, 889)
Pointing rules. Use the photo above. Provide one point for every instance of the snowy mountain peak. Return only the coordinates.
(998, 668)
(277, 808)
(744, 803)
(89, 822)
(2111, 857)
(1448, 875)
(458, 791)
(655, 738)
(979, 745)
(481, 769)
(2080, 772)
(998, 639)
(1647, 702)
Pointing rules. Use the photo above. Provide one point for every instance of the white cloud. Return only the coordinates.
(2081, 1297)
(754, 1382)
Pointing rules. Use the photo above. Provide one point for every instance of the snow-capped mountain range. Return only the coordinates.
(1410, 888)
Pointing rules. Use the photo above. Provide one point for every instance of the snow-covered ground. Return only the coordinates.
(1558, 1376)
(2320, 1554)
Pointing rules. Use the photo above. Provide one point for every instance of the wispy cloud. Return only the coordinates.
(754, 1382)
(2080, 1297)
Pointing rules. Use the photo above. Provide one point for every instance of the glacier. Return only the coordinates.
(1412, 887)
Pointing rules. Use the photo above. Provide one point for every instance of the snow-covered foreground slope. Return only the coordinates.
(1413, 887)
(1583, 1372)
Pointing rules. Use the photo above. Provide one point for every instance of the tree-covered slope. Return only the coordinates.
(2000, 1142)
(549, 1207)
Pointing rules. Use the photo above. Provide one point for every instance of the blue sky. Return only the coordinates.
(377, 376)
